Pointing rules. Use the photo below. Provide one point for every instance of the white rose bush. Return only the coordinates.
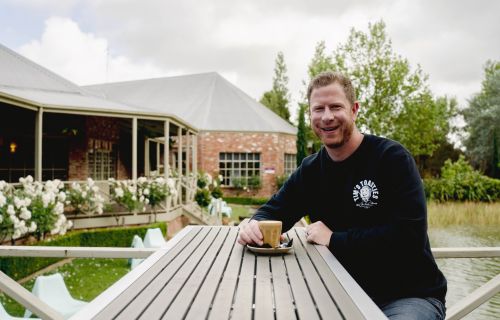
(84, 198)
(146, 192)
(37, 208)
(34, 208)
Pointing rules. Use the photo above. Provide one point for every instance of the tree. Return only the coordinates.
(395, 99)
(278, 98)
(483, 119)
(301, 134)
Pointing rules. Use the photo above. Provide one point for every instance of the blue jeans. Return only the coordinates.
(414, 309)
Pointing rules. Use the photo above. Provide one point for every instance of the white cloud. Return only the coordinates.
(83, 57)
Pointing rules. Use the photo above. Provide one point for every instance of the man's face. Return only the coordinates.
(332, 115)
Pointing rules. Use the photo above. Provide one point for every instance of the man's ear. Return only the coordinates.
(355, 109)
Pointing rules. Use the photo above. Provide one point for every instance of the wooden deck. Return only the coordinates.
(205, 274)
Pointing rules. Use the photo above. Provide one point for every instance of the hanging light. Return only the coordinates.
(13, 147)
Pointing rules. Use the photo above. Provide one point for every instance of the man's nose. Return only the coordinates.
(328, 115)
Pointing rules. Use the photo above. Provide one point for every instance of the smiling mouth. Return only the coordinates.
(329, 129)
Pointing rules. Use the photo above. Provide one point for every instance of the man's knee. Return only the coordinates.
(414, 309)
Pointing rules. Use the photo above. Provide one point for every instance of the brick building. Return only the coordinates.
(238, 137)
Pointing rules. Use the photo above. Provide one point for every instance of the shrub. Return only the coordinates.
(202, 197)
(460, 182)
(85, 198)
(246, 201)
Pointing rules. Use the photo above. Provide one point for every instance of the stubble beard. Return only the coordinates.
(347, 130)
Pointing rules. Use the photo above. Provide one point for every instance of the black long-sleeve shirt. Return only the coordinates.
(374, 203)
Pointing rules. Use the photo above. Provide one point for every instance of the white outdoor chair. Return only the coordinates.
(224, 208)
(5, 316)
(154, 239)
(52, 290)
(136, 243)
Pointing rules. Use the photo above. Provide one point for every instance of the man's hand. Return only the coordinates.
(250, 234)
(318, 233)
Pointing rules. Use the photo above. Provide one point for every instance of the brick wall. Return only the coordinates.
(271, 146)
(104, 129)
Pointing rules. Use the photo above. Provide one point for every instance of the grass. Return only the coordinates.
(84, 278)
(241, 211)
(463, 213)
(439, 214)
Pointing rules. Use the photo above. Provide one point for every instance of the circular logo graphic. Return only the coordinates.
(365, 194)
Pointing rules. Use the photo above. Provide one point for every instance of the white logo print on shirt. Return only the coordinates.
(364, 194)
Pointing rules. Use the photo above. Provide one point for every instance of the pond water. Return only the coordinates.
(465, 275)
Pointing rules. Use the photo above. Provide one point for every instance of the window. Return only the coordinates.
(102, 164)
(290, 163)
(238, 167)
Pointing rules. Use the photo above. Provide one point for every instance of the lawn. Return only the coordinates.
(85, 279)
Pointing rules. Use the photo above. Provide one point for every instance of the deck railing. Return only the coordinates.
(28, 300)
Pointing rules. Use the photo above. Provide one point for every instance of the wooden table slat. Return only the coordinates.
(142, 299)
(161, 302)
(185, 297)
(344, 302)
(264, 302)
(223, 300)
(136, 287)
(324, 301)
(243, 302)
(285, 309)
(303, 301)
(201, 304)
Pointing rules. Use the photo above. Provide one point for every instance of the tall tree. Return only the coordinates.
(301, 134)
(278, 97)
(483, 119)
(395, 99)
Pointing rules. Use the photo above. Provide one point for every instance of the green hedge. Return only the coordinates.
(20, 267)
(460, 182)
(246, 201)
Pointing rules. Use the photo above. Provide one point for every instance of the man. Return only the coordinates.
(367, 202)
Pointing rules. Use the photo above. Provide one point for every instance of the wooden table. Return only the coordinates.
(203, 273)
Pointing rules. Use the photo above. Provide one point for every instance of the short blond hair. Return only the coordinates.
(328, 77)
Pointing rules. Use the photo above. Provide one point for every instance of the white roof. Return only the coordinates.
(25, 80)
(206, 100)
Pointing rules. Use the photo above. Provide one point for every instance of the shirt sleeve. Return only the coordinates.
(286, 204)
(407, 224)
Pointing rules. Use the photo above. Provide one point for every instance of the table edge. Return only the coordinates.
(362, 301)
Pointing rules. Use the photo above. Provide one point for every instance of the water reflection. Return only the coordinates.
(466, 275)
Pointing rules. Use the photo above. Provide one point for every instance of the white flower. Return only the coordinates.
(59, 208)
(27, 202)
(95, 189)
(119, 192)
(146, 191)
(10, 210)
(142, 180)
(46, 198)
(84, 194)
(90, 182)
(3, 200)
(61, 196)
(32, 227)
(1, 218)
(16, 234)
(25, 213)
(18, 202)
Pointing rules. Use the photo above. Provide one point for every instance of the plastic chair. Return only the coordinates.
(154, 239)
(136, 243)
(5, 316)
(52, 290)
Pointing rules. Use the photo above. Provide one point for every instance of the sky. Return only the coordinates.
(96, 41)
